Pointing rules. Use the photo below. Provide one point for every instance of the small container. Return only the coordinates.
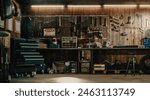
(147, 42)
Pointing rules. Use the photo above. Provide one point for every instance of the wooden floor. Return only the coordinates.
(83, 78)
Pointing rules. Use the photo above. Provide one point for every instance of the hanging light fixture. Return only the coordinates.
(84, 6)
(120, 6)
(45, 6)
(144, 6)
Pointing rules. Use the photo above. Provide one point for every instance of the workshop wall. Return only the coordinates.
(120, 26)
(125, 26)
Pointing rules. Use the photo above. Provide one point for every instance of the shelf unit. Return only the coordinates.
(85, 59)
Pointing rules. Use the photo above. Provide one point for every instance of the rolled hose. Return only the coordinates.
(145, 64)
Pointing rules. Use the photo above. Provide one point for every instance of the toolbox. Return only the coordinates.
(24, 56)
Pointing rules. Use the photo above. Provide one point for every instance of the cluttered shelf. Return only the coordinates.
(97, 56)
(88, 55)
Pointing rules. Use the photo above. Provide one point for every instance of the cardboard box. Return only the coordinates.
(42, 45)
(6, 40)
(59, 65)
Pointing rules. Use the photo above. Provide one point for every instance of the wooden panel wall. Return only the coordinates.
(131, 21)
(125, 26)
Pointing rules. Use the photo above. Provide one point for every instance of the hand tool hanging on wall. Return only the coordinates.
(114, 22)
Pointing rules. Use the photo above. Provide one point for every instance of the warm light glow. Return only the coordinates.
(144, 6)
(68, 80)
(45, 6)
(121, 6)
(84, 6)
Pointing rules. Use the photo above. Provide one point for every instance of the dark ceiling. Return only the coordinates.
(92, 2)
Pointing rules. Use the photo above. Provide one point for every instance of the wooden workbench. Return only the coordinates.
(72, 54)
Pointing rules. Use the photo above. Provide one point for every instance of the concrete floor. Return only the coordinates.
(82, 78)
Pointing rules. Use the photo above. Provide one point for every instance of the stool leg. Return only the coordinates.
(128, 67)
(134, 66)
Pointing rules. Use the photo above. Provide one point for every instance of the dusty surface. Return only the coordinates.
(82, 78)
